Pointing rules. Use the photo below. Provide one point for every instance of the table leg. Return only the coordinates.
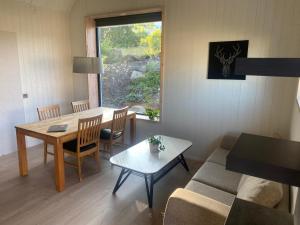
(133, 129)
(121, 179)
(183, 162)
(22, 153)
(59, 166)
(149, 189)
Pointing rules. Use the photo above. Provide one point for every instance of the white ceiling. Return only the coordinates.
(60, 5)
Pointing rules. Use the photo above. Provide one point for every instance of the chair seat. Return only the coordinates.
(72, 146)
(106, 133)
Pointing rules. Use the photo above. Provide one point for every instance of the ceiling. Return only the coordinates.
(59, 5)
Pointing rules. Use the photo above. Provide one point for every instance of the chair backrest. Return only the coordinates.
(80, 106)
(48, 112)
(119, 120)
(88, 131)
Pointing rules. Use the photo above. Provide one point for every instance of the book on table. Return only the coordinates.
(58, 128)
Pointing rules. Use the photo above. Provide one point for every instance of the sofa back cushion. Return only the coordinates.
(284, 204)
(260, 191)
(229, 140)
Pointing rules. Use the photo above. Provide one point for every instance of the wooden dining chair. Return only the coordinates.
(44, 113)
(80, 106)
(48, 112)
(111, 135)
(86, 144)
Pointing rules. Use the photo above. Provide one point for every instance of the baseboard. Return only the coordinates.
(30, 142)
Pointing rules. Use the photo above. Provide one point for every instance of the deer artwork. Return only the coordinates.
(226, 62)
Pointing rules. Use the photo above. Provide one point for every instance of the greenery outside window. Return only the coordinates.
(131, 58)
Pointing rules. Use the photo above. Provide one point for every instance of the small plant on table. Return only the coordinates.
(152, 113)
(155, 143)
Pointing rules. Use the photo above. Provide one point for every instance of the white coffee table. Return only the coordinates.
(152, 166)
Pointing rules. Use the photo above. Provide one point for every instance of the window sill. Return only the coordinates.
(146, 118)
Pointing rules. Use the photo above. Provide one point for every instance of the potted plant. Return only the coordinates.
(155, 144)
(153, 114)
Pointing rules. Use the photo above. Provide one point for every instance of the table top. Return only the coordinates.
(266, 157)
(71, 120)
(139, 158)
(248, 213)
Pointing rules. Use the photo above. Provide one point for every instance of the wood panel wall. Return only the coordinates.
(203, 110)
(91, 51)
(213, 107)
(11, 102)
(43, 38)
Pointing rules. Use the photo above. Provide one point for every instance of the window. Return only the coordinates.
(130, 51)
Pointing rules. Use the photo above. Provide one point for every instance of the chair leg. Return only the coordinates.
(123, 139)
(45, 152)
(97, 158)
(109, 146)
(79, 161)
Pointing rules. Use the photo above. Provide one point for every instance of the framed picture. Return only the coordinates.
(222, 56)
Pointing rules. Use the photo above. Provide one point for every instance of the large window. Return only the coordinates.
(130, 49)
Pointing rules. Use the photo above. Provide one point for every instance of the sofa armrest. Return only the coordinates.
(185, 207)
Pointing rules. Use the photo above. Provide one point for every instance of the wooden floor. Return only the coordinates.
(33, 200)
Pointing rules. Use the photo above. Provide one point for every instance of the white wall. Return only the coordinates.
(295, 123)
(11, 110)
(43, 38)
(295, 120)
(196, 108)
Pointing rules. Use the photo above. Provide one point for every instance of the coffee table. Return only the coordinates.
(151, 166)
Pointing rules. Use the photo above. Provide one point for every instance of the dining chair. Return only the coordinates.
(112, 135)
(86, 144)
(44, 113)
(80, 106)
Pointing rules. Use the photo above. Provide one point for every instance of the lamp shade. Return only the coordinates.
(86, 65)
(275, 67)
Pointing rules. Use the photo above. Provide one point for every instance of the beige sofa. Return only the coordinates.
(207, 198)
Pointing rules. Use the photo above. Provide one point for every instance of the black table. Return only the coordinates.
(248, 213)
(266, 157)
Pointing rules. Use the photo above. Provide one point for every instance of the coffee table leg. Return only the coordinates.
(121, 179)
(183, 162)
(149, 189)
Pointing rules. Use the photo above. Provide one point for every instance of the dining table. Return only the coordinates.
(39, 130)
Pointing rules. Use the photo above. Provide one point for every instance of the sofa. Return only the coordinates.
(209, 195)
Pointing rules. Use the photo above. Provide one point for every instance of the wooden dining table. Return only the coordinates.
(39, 130)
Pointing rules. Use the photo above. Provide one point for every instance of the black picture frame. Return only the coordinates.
(222, 56)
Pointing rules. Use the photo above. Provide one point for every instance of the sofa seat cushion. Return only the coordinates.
(218, 156)
(211, 192)
(217, 176)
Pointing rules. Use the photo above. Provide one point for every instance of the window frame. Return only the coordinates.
(92, 50)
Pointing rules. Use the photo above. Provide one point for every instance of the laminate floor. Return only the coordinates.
(32, 200)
